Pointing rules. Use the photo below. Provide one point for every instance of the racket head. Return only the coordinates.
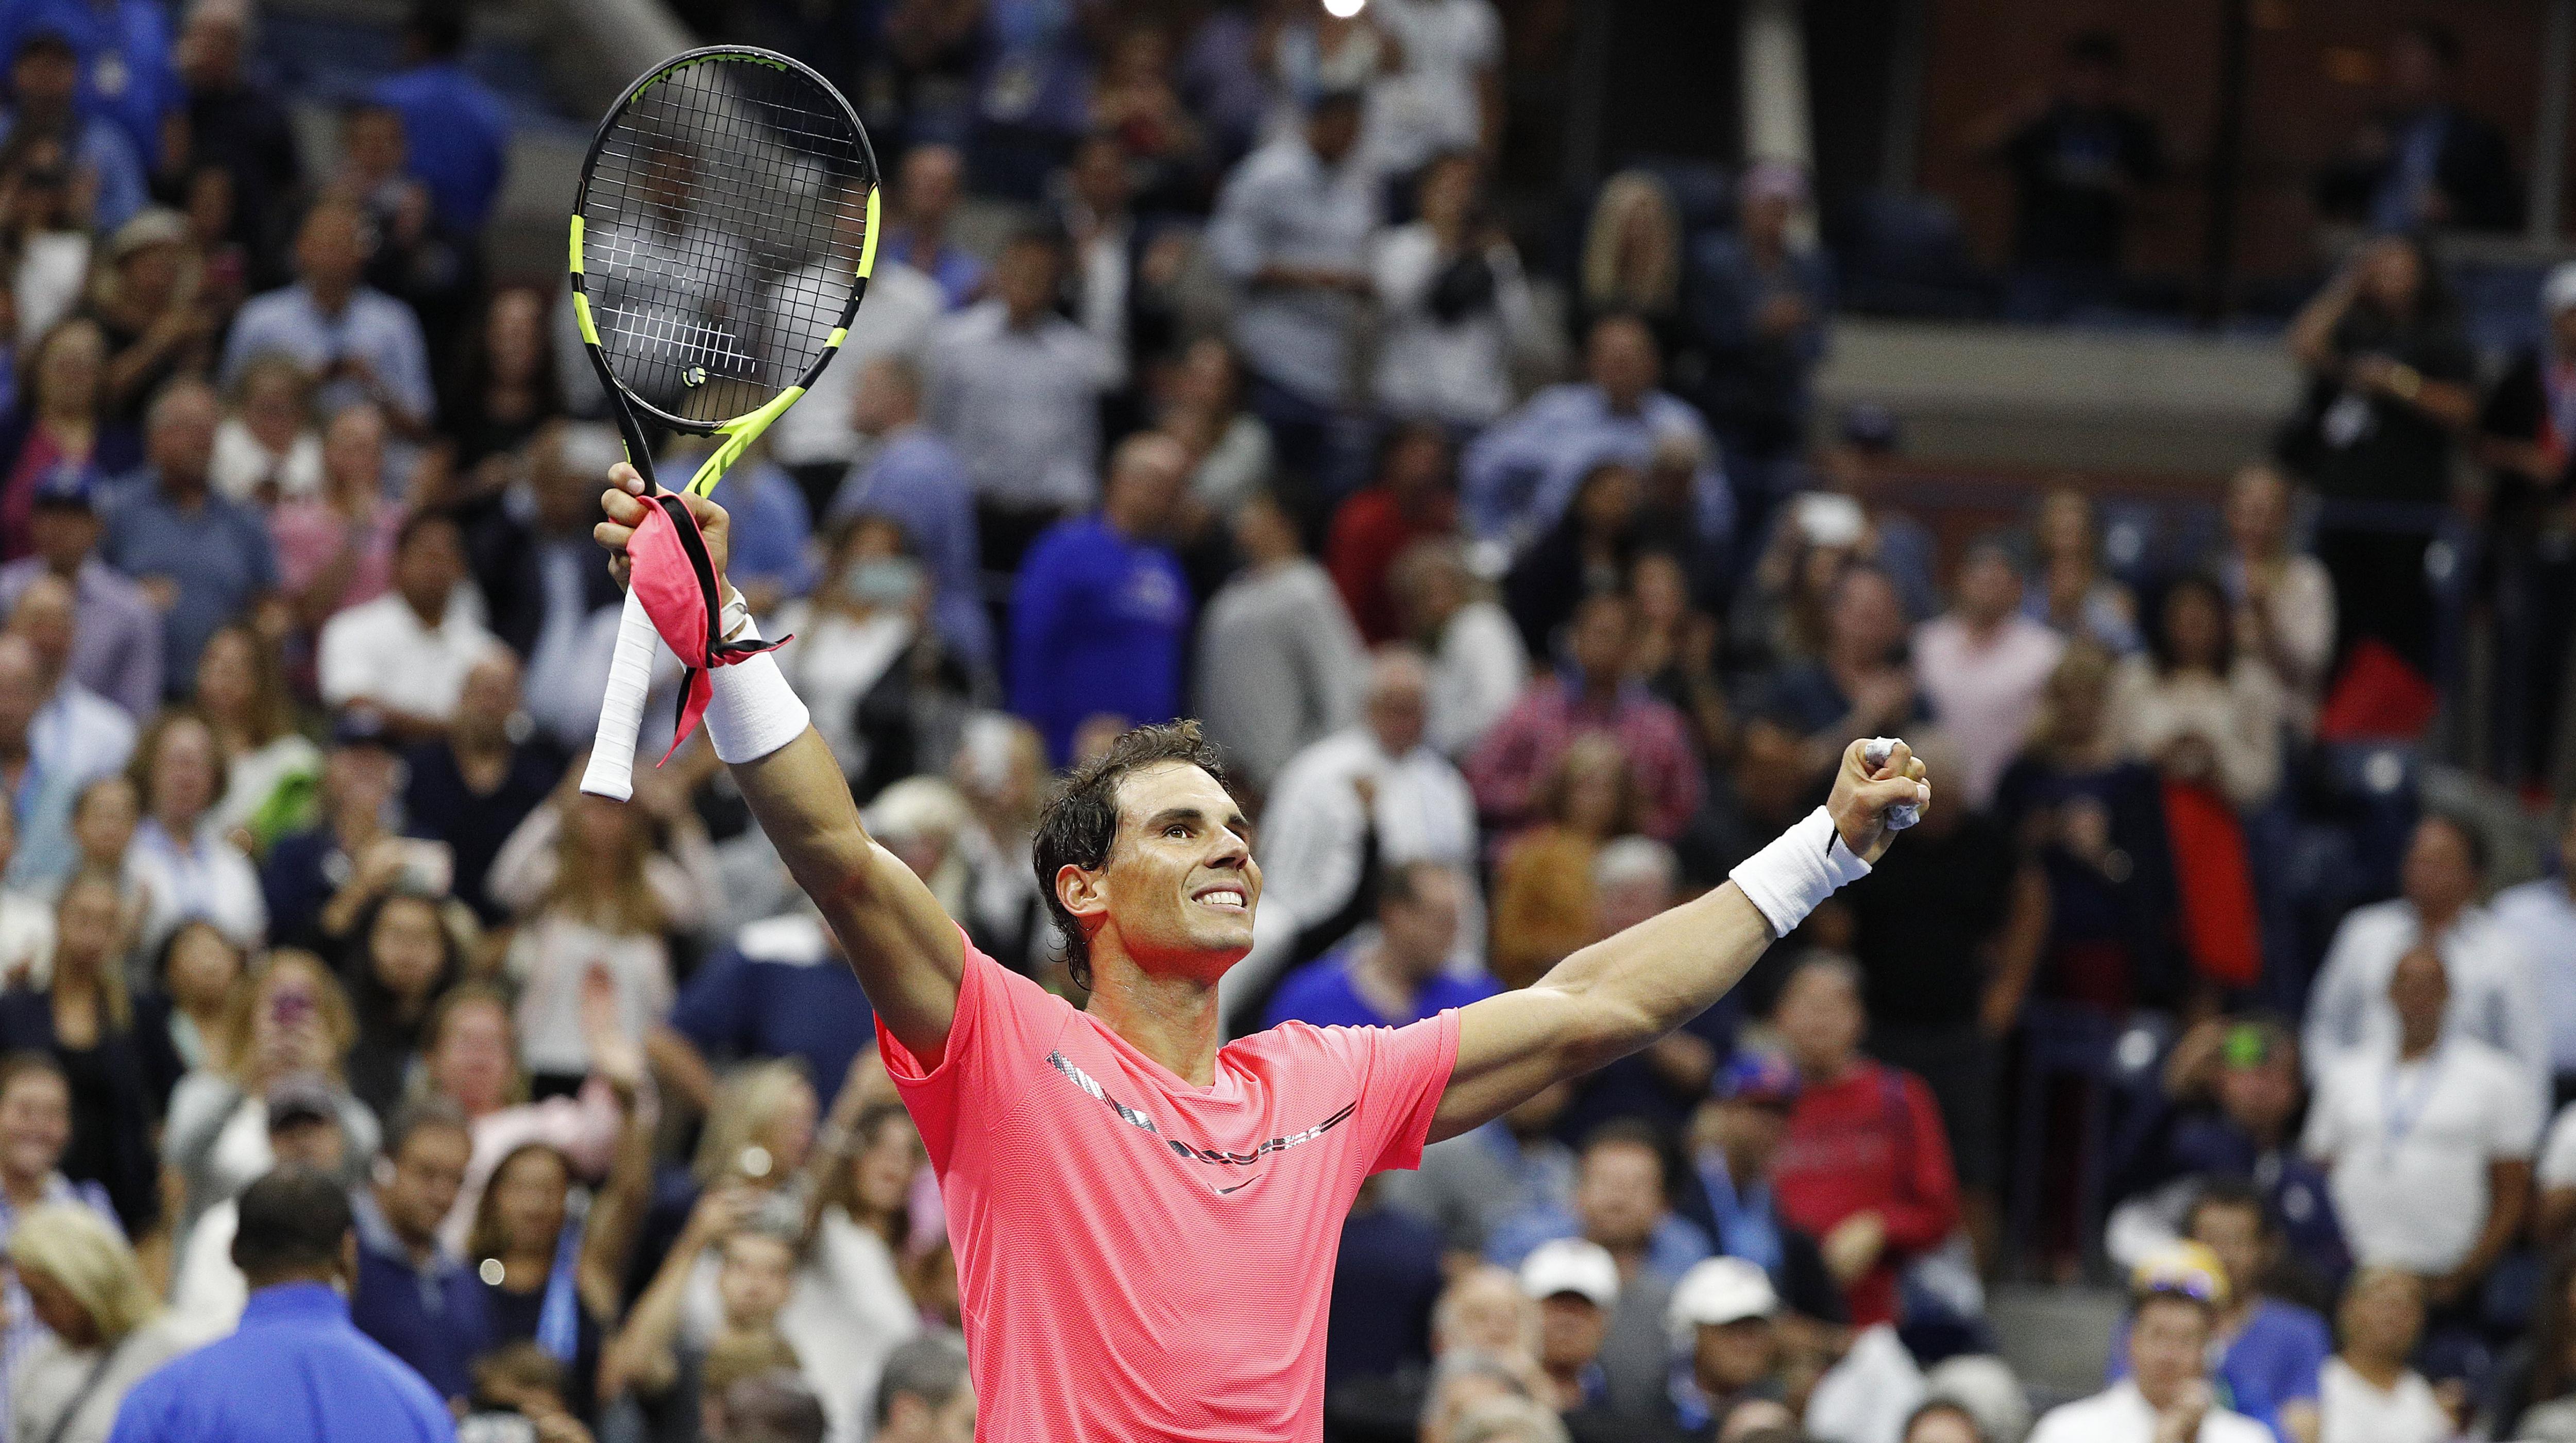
(722, 235)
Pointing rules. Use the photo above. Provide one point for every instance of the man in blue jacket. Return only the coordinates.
(1102, 610)
(298, 1369)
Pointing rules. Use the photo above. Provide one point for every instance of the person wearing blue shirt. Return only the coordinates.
(933, 177)
(1397, 977)
(781, 990)
(1102, 611)
(44, 82)
(2270, 1352)
(363, 344)
(918, 481)
(1621, 1201)
(122, 55)
(297, 1369)
(459, 131)
(209, 559)
(413, 1293)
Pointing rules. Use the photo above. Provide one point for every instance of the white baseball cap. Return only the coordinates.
(1571, 1265)
(1718, 1291)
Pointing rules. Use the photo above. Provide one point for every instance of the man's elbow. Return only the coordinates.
(1599, 1030)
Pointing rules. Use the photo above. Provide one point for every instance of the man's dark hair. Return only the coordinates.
(931, 1367)
(424, 1115)
(292, 1221)
(773, 1407)
(2439, 40)
(1080, 822)
(2228, 1192)
(2096, 47)
(1635, 1132)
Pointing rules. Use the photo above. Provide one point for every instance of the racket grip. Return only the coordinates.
(611, 772)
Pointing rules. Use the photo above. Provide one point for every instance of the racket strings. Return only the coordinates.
(723, 221)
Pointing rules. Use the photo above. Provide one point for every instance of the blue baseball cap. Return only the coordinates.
(1764, 1079)
(68, 484)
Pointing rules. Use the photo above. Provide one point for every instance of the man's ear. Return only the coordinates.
(1084, 893)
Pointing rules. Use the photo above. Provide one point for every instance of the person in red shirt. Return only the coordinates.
(1413, 497)
(1145, 1217)
(1865, 1167)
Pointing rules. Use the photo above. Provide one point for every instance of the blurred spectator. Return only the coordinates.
(2282, 601)
(1221, 77)
(1865, 1168)
(2167, 1398)
(472, 788)
(546, 592)
(927, 190)
(42, 799)
(471, 1058)
(26, 918)
(1736, 1140)
(2268, 1352)
(1387, 1281)
(183, 864)
(1205, 412)
(44, 85)
(1103, 245)
(1780, 605)
(1412, 498)
(1585, 552)
(235, 131)
(2095, 824)
(2423, 161)
(1634, 879)
(653, 1354)
(35, 1127)
(1726, 1347)
(1632, 256)
(874, 673)
(2428, 1143)
(1859, 684)
(362, 344)
(1522, 474)
(1622, 1200)
(1942, 1421)
(505, 387)
(201, 559)
(2390, 382)
(869, 1158)
(771, 556)
(147, 301)
(267, 449)
(335, 548)
(408, 650)
(412, 254)
(1284, 664)
(1312, 837)
(1593, 693)
(207, 1289)
(297, 1366)
(2540, 915)
(1396, 977)
(198, 969)
(105, 1328)
(1478, 667)
(272, 771)
(2079, 160)
(2529, 1397)
(459, 131)
(598, 887)
(75, 728)
(119, 57)
(1291, 233)
(321, 880)
(1445, 92)
(1016, 388)
(1575, 1284)
(1101, 612)
(2493, 985)
(400, 957)
(2068, 589)
(413, 1293)
(1946, 938)
(914, 477)
(113, 1049)
(1760, 298)
(116, 648)
(1034, 94)
(924, 1395)
(1981, 668)
(285, 1030)
(2368, 1393)
(549, 1274)
(1543, 894)
(780, 990)
(60, 432)
(1676, 650)
(1450, 295)
(47, 232)
(2194, 706)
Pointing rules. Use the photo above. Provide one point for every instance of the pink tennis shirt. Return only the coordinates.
(1140, 1259)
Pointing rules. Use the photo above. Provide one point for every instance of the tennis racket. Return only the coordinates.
(721, 241)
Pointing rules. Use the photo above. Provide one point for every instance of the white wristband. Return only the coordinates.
(1786, 880)
(751, 710)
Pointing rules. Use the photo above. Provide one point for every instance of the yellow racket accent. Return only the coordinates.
(867, 245)
(576, 243)
(738, 435)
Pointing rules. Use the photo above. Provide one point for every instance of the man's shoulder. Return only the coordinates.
(2083, 1420)
(2542, 900)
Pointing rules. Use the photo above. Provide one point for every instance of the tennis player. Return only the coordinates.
(1145, 1216)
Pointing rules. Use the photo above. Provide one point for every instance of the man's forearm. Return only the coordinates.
(1666, 970)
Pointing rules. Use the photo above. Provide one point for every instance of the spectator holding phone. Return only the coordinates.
(319, 880)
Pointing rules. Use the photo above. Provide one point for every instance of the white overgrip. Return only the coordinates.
(611, 772)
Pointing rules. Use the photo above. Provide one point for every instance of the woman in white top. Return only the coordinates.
(2284, 601)
(861, 630)
(181, 864)
(2367, 1394)
(1454, 302)
(272, 772)
(104, 1330)
(2197, 708)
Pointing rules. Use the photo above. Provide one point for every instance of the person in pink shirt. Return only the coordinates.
(1145, 1217)
(1982, 665)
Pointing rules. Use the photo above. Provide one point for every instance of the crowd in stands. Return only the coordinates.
(308, 936)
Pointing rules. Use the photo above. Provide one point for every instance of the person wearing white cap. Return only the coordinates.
(2167, 1398)
(1726, 1343)
(1575, 1284)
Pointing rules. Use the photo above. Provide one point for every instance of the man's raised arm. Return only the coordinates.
(1623, 992)
(898, 939)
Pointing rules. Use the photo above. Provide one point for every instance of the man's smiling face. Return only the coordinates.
(1181, 885)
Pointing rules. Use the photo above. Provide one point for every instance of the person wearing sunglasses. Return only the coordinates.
(2168, 1396)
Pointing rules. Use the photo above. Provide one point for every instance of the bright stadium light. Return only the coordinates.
(1344, 9)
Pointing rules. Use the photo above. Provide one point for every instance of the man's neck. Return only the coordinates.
(68, 568)
(419, 1249)
(430, 617)
(1172, 1020)
(24, 1191)
(330, 300)
(1826, 1074)
(2415, 1048)
(1984, 631)
(2379, 1372)
(185, 492)
(2433, 922)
